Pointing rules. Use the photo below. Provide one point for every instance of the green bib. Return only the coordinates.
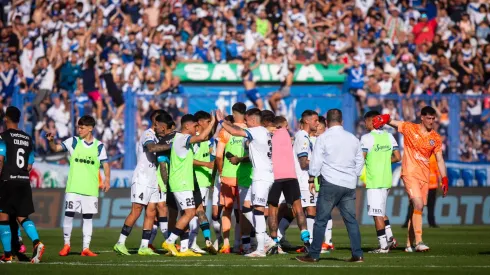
(262, 26)
(83, 177)
(203, 174)
(243, 171)
(163, 188)
(181, 170)
(378, 162)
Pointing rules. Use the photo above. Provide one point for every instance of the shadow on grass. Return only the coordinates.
(484, 253)
(332, 259)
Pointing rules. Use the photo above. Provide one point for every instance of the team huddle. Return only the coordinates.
(246, 163)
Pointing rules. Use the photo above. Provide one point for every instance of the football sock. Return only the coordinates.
(238, 234)
(217, 227)
(30, 230)
(310, 221)
(417, 225)
(163, 221)
(125, 231)
(87, 230)
(174, 235)
(5, 237)
(260, 229)
(154, 231)
(193, 227)
(328, 232)
(246, 242)
(283, 226)
(247, 212)
(383, 242)
(67, 226)
(206, 232)
(184, 242)
(389, 233)
(145, 238)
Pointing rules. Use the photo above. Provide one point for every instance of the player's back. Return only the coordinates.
(260, 150)
(16, 146)
(146, 161)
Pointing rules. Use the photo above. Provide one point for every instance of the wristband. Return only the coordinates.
(221, 122)
(311, 181)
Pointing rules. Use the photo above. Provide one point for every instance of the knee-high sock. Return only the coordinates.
(87, 231)
(389, 232)
(154, 231)
(283, 226)
(310, 221)
(260, 229)
(417, 225)
(328, 232)
(31, 231)
(383, 242)
(5, 237)
(68, 226)
(193, 227)
(163, 221)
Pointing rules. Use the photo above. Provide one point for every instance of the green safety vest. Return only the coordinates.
(243, 171)
(378, 162)
(203, 174)
(181, 170)
(262, 26)
(83, 177)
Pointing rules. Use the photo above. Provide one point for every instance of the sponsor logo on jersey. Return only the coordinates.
(432, 142)
(382, 148)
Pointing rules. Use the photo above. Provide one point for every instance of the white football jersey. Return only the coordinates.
(260, 152)
(302, 148)
(146, 168)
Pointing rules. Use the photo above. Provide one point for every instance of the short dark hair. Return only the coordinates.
(230, 118)
(371, 114)
(278, 121)
(165, 118)
(322, 120)
(86, 121)
(156, 113)
(334, 115)
(267, 117)
(239, 107)
(13, 114)
(308, 113)
(253, 112)
(187, 118)
(202, 115)
(428, 110)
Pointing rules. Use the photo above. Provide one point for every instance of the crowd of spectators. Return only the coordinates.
(86, 54)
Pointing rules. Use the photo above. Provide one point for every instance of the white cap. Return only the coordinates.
(178, 5)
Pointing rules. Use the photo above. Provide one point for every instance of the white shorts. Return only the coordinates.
(216, 190)
(143, 194)
(307, 199)
(81, 203)
(245, 194)
(204, 195)
(185, 199)
(376, 201)
(163, 197)
(260, 192)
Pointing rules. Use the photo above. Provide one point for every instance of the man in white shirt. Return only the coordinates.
(44, 82)
(338, 158)
(260, 151)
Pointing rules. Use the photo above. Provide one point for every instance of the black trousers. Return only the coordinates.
(14, 227)
(431, 205)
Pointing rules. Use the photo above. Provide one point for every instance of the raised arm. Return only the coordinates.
(153, 147)
(52, 145)
(205, 134)
(229, 127)
(382, 120)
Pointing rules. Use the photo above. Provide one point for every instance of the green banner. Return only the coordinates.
(266, 73)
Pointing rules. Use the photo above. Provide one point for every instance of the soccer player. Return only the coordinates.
(181, 178)
(16, 159)
(249, 84)
(82, 189)
(260, 148)
(303, 148)
(285, 89)
(380, 150)
(144, 189)
(235, 172)
(420, 141)
(285, 182)
(204, 155)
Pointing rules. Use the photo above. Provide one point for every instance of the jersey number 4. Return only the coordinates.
(20, 160)
(141, 196)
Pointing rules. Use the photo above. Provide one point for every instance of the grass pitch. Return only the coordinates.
(454, 250)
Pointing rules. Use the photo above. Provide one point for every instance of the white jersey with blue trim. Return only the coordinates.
(260, 153)
(303, 147)
(146, 167)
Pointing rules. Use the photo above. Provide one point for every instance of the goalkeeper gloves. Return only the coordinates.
(380, 121)
(445, 186)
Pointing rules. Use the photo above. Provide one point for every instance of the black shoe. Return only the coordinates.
(273, 250)
(22, 257)
(355, 260)
(307, 259)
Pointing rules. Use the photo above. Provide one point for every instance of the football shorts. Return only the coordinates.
(16, 198)
(144, 195)
(289, 188)
(260, 192)
(416, 188)
(308, 199)
(81, 203)
(376, 201)
(245, 194)
(216, 193)
(185, 199)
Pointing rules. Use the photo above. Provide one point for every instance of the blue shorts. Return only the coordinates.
(253, 95)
